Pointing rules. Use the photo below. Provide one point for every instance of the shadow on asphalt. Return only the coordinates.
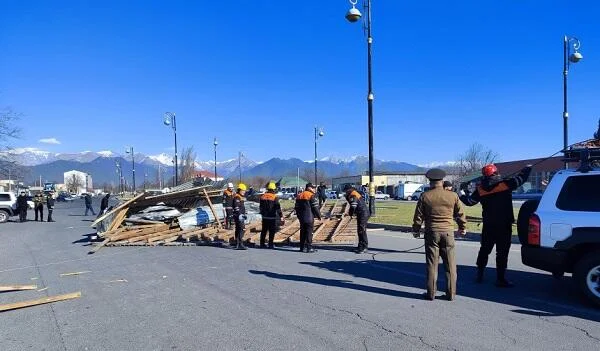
(535, 294)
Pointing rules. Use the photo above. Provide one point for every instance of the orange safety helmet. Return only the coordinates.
(489, 170)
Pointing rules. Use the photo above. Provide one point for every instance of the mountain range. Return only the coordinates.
(102, 166)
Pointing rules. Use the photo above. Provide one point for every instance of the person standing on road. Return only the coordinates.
(50, 205)
(495, 195)
(38, 206)
(104, 204)
(307, 208)
(438, 209)
(88, 204)
(322, 194)
(22, 206)
(239, 216)
(228, 195)
(358, 208)
(270, 210)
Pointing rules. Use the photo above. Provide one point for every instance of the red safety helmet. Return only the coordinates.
(489, 170)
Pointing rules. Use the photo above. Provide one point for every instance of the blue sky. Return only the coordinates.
(98, 75)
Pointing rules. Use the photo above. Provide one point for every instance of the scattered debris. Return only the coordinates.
(43, 289)
(119, 281)
(74, 273)
(4, 288)
(193, 214)
(35, 278)
(40, 301)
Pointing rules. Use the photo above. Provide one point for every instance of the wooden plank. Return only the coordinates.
(116, 223)
(17, 287)
(146, 237)
(163, 236)
(132, 234)
(141, 221)
(118, 208)
(98, 247)
(41, 301)
(212, 209)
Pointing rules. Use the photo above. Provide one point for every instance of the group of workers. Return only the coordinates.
(307, 208)
(438, 209)
(436, 213)
(39, 200)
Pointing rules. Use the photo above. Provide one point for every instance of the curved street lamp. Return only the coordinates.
(215, 143)
(353, 15)
(571, 54)
(319, 133)
(170, 120)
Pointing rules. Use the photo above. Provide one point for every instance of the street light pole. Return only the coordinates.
(569, 43)
(215, 143)
(354, 15)
(240, 165)
(170, 119)
(130, 150)
(318, 133)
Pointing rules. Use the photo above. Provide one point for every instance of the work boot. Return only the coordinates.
(504, 283)
(479, 278)
(271, 246)
(428, 297)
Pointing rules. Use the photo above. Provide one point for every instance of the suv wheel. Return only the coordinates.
(587, 276)
(4, 216)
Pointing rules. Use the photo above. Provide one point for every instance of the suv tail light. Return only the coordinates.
(533, 235)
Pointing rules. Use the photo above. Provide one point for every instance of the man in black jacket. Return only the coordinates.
(358, 208)
(104, 204)
(270, 210)
(307, 208)
(22, 206)
(495, 195)
(50, 205)
(322, 194)
(239, 216)
(88, 204)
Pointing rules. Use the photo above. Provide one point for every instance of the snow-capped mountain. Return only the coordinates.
(29, 156)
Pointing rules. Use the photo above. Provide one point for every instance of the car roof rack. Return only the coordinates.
(587, 153)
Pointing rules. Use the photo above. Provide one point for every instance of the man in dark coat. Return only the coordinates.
(88, 204)
(50, 205)
(22, 206)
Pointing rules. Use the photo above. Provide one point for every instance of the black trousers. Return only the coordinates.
(50, 215)
(229, 218)
(23, 214)
(239, 232)
(321, 201)
(270, 226)
(501, 236)
(306, 235)
(361, 229)
(39, 209)
(89, 208)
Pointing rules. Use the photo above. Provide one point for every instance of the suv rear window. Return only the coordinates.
(580, 193)
(4, 197)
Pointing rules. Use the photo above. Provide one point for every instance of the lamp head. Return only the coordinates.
(576, 57)
(167, 120)
(353, 15)
(215, 143)
(321, 133)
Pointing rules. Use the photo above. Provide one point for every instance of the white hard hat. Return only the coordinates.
(230, 185)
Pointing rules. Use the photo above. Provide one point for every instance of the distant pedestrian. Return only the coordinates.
(307, 208)
(38, 206)
(239, 216)
(88, 204)
(228, 195)
(270, 210)
(438, 209)
(104, 204)
(50, 205)
(358, 208)
(322, 194)
(22, 206)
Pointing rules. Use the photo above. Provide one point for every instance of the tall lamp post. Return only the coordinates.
(215, 143)
(353, 15)
(169, 120)
(571, 54)
(318, 134)
(129, 150)
(120, 173)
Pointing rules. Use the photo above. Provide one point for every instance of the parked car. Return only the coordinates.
(332, 194)
(531, 194)
(285, 195)
(381, 196)
(560, 232)
(8, 205)
(417, 194)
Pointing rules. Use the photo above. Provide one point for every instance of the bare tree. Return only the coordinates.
(308, 173)
(74, 183)
(474, 159)
(188, 164)
(9, 168)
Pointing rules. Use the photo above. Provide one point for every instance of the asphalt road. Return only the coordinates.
(213, 298)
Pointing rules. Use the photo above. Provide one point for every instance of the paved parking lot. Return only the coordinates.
(215, 298)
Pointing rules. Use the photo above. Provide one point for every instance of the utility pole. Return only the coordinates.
(240, 164)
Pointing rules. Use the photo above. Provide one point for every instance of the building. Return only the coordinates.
(385, 182)
(78, 182)
(209, 175)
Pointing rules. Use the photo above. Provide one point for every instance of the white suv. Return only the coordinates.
(561, 232)
(8, 205)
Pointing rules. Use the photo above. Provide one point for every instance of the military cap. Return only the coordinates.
(435, 174)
